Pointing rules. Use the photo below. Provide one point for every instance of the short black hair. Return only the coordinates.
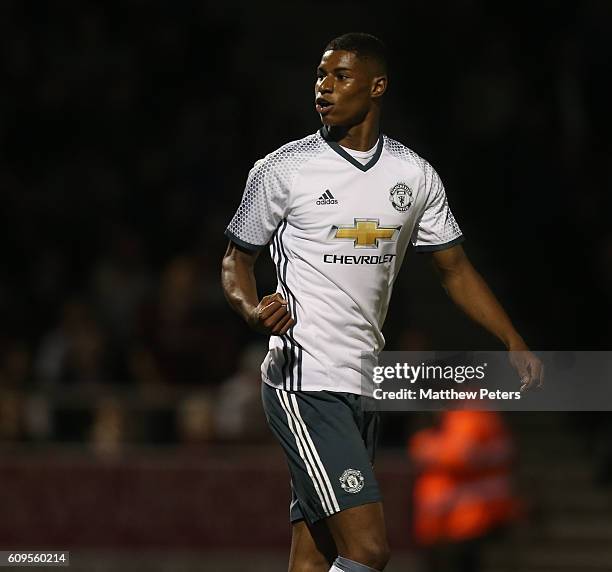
(365, 46)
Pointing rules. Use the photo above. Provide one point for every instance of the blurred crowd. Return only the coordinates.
(127, 132)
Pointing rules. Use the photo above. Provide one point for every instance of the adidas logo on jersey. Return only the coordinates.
(327, 199)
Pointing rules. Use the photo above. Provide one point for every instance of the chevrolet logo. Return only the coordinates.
(365, 233)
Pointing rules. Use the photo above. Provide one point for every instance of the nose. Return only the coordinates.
(326, 85)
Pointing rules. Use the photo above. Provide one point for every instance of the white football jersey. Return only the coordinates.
(338, 231)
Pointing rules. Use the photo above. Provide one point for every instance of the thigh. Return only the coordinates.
(312, 547)
(358, 528)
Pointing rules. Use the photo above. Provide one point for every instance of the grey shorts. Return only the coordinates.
(329, 441)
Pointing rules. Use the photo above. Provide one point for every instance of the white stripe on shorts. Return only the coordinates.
(330, 489)
(305, 456)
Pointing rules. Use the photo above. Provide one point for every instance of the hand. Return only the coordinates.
(529, 367)
(271, 316)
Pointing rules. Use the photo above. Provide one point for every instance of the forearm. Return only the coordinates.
(270, 315)
(238, 283)
(470, 292)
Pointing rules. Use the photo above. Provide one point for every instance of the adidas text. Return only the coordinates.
(327, 199)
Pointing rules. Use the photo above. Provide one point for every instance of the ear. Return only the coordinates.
(379, 86)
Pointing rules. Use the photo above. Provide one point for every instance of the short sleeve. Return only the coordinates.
(437, 228)
(263, 206)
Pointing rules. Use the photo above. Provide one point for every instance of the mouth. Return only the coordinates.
(323, 106)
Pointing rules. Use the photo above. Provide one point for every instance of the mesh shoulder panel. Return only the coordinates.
(437, 227)
(267, 196)
(397, 149)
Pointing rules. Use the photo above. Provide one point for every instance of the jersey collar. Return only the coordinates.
(338, 149)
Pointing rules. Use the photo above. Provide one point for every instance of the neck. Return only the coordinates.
(360, 137)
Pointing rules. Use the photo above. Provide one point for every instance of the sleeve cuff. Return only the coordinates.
(246, 245)
(443, 246)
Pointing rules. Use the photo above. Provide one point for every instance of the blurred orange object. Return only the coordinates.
(463, 487)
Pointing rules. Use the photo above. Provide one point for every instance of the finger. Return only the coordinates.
(540, 375)
(277, 296)
(517, 358)
(524, 383)
(272, 320)
(535, 367)
(290, 323)
(269, 309)
(526, 379)
(269, 298)
(531, 379)
(277, 329)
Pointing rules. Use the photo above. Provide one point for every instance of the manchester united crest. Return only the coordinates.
(401, 197)
(352, 481)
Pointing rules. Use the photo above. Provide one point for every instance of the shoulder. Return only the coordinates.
(403, 153)
(289, 158)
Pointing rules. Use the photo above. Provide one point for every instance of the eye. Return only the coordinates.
(341, 76)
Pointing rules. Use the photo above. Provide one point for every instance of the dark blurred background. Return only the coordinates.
(127, 131)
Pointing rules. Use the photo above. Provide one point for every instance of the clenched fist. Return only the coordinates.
(271, 316)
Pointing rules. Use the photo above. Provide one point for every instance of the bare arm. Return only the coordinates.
(468, 290)
(268, 315)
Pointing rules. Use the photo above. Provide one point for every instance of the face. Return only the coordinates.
(346, 87)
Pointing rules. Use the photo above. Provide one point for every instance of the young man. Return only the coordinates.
(338, 209)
